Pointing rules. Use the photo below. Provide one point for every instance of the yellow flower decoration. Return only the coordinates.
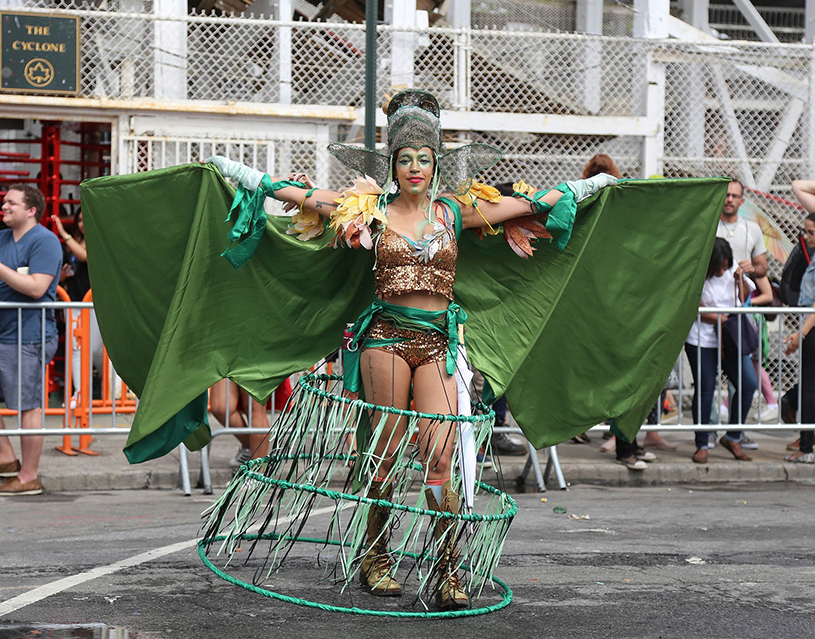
(522, 187)
(480, 191)
(361, 199)
(305, 225)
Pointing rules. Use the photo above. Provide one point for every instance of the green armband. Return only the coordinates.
(270, 187)
(560, 217)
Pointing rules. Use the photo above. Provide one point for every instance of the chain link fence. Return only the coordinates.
(730, 108)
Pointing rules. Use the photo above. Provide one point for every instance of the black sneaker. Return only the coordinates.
(502, 444)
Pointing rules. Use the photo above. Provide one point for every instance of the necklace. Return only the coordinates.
(730, 228)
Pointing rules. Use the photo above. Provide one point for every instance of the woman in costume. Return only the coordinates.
(407, 340)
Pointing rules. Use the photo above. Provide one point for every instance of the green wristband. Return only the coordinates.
(270, 187)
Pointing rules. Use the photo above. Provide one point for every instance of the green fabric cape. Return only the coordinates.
(572, 337)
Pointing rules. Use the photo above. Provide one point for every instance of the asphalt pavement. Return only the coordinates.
(714, 560)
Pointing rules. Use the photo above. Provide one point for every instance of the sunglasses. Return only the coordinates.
(807, 232)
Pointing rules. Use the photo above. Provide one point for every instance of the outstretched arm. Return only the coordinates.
(483, 212)
(805, 192)
(506, 209)
(311, 199)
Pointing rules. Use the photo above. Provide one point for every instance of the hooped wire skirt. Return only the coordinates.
(276, 504)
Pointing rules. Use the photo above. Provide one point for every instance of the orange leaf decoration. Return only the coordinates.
(521, 232)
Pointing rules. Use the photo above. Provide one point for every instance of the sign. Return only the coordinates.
(39, 53)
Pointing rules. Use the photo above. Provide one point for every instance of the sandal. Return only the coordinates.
(735, 448)
(802, 458)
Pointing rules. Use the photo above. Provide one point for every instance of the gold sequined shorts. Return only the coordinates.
(418, 348)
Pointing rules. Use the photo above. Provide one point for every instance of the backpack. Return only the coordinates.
(792, 273)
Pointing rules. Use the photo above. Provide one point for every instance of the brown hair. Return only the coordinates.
(32, 198)
(600, 163)
(741, 186)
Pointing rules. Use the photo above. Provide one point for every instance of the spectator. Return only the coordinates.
(600, 163)
(702, 348)
(745, 237)
(794, 269)
(251, 446)
(805, 192)
(75, 280)
(762, 296)
(30, 260)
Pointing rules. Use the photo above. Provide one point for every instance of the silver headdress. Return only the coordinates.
(413, 122)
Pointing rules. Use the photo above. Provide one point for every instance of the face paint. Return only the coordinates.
(414, 169)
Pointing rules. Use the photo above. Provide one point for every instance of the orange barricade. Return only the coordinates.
(115, 401)
(62, 296)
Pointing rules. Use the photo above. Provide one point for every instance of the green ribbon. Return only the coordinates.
(561, 216)
(250, 220)
(405, 317)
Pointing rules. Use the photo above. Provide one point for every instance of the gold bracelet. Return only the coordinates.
(66, 237)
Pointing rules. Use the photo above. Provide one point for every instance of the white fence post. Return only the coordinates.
(590, 20)
(170, 50)
(284, 10)
(651, 21)
(402, 13)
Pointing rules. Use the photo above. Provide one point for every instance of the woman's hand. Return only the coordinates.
(714, 318)
(588, 187)
(58, 223)
(298, 177)
(304, 178)
(792, 342)
(66, 272)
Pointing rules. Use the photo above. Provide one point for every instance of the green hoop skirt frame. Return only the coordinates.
(308, 455)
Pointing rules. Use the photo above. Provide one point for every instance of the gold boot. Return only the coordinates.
(376, 569)
(450, 592)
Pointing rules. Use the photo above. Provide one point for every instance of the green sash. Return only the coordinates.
(445, 322)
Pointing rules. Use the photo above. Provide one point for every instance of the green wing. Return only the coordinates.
(176, 317)
(578, 337)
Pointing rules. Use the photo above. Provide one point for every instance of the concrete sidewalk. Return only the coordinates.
(581, 463)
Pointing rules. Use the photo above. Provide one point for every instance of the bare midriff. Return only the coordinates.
(420, 299)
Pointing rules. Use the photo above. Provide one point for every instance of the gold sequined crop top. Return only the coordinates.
(398, 270)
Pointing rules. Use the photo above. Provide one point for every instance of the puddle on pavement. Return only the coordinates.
(64, 631)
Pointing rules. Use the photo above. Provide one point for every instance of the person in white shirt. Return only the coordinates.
(725, 286)
(744, 237)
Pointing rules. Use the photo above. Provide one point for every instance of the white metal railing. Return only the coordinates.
(785, 373)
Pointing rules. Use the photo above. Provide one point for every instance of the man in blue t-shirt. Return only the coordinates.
(30, 262)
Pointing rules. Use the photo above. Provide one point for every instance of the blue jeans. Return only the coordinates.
(703, 365)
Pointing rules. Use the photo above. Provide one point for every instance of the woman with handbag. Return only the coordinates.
(725, 286)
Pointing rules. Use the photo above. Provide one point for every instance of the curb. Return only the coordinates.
(602, 474)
